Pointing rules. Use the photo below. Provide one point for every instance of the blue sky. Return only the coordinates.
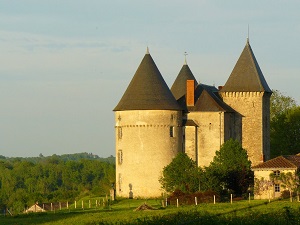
(65, 64)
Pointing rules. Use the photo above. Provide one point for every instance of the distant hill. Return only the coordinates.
(64, 157)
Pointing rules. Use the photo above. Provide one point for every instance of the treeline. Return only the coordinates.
(52, 179)
(64, 157)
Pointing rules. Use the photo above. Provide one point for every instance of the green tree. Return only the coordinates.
(181, 174)
(288, 181)
(230, 169)
(285, 133)
(280, 104)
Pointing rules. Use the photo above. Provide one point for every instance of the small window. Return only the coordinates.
(120, 132)
(120, 156)
(277, 187)
(171, 131)
(120, 182)
(276, 173)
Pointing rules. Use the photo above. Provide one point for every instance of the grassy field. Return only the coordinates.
(123, 212)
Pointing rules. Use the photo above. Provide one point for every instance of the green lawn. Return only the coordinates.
(122, 212)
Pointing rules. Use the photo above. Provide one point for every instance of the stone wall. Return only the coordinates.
(210, 135)
(253, 108)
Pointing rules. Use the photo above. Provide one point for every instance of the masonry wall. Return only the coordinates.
(266, 126)
(191, 142)
(146, 142)
(253, 109)
(209, 136)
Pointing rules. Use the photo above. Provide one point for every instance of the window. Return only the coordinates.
(120, 182)
(120, 156)
(277, 187)
(120, 132)
(276, 173)
(171, 131)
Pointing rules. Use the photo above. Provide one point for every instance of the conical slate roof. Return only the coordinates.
(246, 75)
(147, 90)
(178, 88)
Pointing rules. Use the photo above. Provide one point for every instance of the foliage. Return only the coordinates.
(284, 125)
(280, 103)
(122, 212)
(288, 181)
(285, 133)
(230, 169)
(23, 183)
(189, 198)
(181, 174)
(262, 185)
(64, 157)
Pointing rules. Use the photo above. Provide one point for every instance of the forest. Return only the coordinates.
(24, 181)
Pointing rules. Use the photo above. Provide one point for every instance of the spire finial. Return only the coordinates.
(248, 35)
(185, 54)
(147, 51)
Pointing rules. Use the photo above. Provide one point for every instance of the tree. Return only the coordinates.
(181, 174)
(284, 125)
(285, 133)
(280, 104)
(288, 181)
(230, 168)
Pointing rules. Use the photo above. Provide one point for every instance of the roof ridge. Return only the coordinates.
(275, 163)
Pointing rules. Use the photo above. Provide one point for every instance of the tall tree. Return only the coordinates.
(280, 103)
(181, 174)
(285, 133)
(230, 168)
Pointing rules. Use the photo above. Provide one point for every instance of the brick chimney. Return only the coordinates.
(190, 92)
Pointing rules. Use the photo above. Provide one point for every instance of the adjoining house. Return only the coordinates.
(266, 187)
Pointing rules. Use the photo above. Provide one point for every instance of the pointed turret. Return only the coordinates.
(178, 88)
(247, 92)
(147, 90)
(246, 76)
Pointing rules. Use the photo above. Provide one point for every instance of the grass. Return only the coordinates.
(122, 212)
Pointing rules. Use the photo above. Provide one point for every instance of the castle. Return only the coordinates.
(153, 123)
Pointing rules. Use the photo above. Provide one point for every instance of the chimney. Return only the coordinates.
(190, 91)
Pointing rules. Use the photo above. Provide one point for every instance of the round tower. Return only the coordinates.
(148, 132)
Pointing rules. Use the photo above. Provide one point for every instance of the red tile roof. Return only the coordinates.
(280, 162)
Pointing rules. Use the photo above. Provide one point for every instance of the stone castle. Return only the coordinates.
(153, 123)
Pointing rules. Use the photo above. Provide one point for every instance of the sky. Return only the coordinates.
(64, 65)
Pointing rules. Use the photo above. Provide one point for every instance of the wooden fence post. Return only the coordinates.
(177, 202)
(231, 198)
(214, 199)
(196, 201)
